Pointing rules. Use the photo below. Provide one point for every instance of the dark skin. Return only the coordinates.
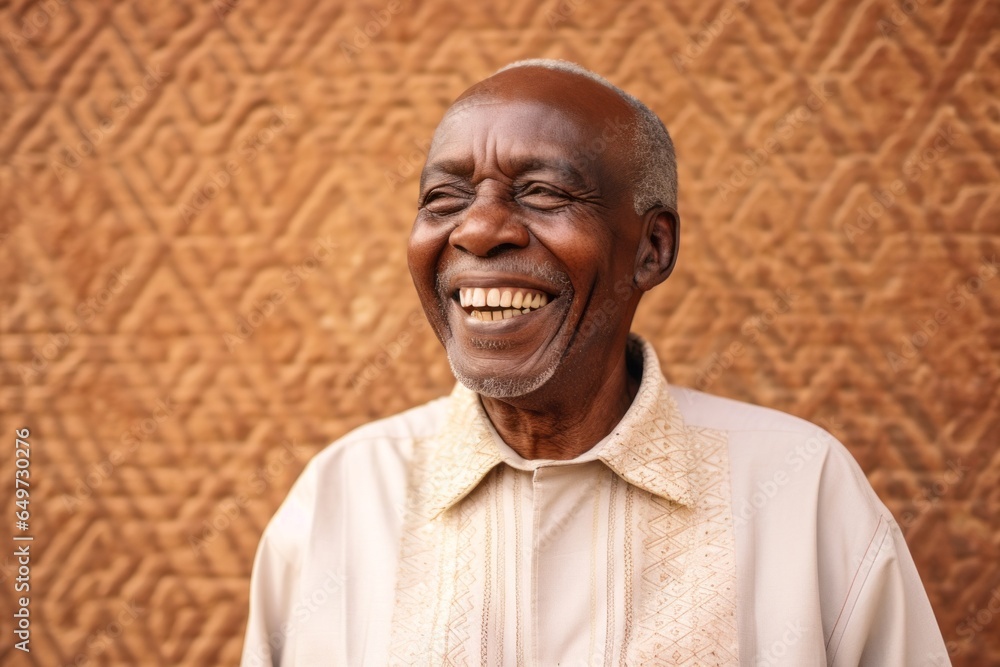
(513, 178)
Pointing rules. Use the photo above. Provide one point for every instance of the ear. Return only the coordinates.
(658, 247)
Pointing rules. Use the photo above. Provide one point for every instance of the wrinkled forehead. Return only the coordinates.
(538, 114)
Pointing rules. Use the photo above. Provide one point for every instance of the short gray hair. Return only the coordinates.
(653, 151)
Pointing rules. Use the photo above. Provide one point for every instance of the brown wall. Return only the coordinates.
(122, 519)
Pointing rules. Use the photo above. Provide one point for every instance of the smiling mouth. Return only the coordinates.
(491, 304)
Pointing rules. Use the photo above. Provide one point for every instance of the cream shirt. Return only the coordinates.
(701, 531)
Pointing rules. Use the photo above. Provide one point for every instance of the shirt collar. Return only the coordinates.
(649, 448)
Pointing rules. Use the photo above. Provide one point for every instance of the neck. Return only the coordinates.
(563, 426)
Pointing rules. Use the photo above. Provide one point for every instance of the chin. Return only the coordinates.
(509, 358)
(495, 385)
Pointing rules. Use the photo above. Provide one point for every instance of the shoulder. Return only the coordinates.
(814, 543)
(725, 414)
(384, 439)
(366, 467)
(770, 449)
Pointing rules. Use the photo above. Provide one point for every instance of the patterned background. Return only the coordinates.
(203, 214)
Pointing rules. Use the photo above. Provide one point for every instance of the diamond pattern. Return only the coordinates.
(65, 231)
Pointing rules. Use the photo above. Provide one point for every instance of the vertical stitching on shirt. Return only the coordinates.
(609, 629)
(484, 637)
(452, 559)
(501, 552)
(443, 552)
(595, 529)
(517, 570)
(629, 491)
(412, 620)
(461, 583)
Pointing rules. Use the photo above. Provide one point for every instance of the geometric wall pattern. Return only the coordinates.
(203, 215)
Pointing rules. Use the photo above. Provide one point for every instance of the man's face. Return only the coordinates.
(524, 245)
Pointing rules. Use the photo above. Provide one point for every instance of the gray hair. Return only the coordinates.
(653, 151)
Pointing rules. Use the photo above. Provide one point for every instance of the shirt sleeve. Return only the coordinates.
(267, 628)
(276, 578)
(888, 618)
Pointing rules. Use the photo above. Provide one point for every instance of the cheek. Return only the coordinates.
(425, 246)
(600, 264)
(583, 247)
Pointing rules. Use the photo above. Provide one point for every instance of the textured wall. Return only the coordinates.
(203, 214)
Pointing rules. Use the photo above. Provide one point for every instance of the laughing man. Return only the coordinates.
(564, 505)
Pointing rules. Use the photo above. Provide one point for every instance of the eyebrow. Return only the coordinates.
(565, 169)
(459, 168)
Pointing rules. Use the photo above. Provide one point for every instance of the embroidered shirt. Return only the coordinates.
(700, 531)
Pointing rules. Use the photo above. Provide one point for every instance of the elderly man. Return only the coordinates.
(565, 505)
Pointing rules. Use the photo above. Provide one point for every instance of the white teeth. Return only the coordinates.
(508, 301)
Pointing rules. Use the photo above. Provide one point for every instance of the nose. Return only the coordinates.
(488, 228)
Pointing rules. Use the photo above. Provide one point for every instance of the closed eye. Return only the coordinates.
(445, 201)
(543, 197)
